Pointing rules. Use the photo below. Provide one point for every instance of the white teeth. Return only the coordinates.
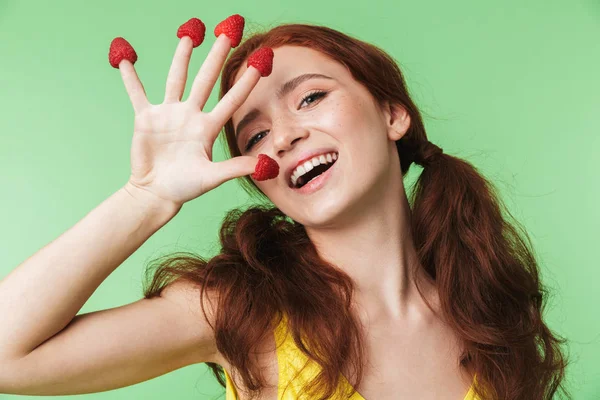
(310, 164)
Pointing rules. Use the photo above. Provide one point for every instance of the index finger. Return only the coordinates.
(236, 96)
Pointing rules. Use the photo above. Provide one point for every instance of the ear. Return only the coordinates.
(397, 120)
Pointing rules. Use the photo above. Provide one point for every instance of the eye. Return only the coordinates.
(314, 95)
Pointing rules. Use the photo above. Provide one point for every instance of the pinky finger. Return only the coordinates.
(134, 86)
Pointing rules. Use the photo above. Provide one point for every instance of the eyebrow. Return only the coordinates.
(285, 89)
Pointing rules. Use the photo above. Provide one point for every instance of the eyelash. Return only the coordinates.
(317, 95)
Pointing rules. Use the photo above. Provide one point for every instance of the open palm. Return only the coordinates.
(171, 152)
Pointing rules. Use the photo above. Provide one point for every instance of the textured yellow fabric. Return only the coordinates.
(291, 362)
(230, 392)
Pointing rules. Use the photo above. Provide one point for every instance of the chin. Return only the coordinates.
(317, 215)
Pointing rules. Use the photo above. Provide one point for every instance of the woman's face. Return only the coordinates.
(340, 115)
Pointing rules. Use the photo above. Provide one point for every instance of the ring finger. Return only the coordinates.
(178, 71)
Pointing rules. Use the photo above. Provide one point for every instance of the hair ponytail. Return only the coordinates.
(487, 277)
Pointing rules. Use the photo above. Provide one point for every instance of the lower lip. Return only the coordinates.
(317, 182)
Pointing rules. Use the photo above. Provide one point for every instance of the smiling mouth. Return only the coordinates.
(313, 173)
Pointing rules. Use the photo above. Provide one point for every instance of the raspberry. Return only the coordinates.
(233, 27)
(266, 168)
(195, 29)
(262, 60)
(121, 49)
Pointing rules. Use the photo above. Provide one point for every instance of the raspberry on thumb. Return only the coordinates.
(121, 49)
(266, 168)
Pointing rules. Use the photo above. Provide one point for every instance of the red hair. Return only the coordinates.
(479, 257)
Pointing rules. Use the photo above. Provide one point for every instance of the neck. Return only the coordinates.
(373, 245)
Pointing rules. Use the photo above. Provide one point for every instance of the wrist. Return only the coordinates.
(150, 202)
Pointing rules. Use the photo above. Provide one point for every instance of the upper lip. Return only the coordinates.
(305, 156)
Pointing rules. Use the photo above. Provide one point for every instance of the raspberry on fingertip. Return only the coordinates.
(262, 60)
(232, 27)
(195, 29)
(120, 49)
(266, 168)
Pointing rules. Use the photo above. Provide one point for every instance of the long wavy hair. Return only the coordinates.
(478, 255)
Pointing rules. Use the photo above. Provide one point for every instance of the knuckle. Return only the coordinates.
(175, 80)
(211, 120)
(235, 100)
(203, 80)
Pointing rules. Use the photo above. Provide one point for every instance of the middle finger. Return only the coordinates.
(209, 72)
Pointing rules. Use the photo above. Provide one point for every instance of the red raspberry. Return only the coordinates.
(266, 168)
(233, 27)
(121, 49)
(195, 29)
(262, 60)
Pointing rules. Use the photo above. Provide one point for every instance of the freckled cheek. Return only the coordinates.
(337, 119)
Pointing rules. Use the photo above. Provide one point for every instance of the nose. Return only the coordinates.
(285, 135)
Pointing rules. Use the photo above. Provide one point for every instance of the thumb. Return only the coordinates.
(235, 167)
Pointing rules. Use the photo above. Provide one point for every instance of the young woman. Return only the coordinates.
(341, 288)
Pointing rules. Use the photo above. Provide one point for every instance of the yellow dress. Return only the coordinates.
(291, 360)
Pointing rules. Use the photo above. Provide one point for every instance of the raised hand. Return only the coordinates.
(171, 153)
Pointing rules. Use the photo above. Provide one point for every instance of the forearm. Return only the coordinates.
(43, 294)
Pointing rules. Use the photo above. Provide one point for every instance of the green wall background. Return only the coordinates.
(511, 86)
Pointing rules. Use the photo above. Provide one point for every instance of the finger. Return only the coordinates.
(178, 71)
(134, 87)
(236, 96)
(209, 72)
(232, 168)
